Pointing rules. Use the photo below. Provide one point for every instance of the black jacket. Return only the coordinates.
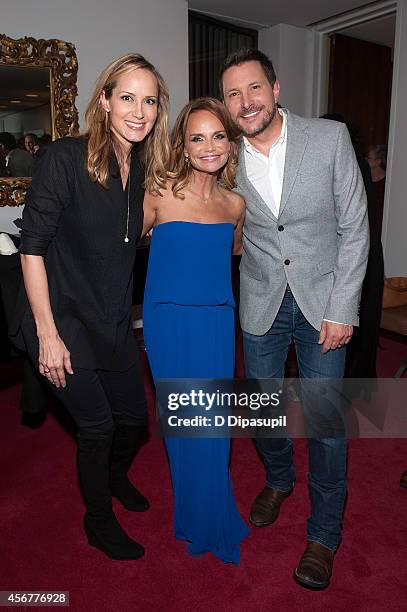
(79, 228)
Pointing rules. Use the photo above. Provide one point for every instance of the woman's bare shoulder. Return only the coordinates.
(234, 200)
(156, 198)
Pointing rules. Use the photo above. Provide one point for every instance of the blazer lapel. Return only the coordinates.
(297, 138)
(246, 184)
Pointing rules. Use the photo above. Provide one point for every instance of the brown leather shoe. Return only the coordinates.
(266, 506)
(403, 480)
(314, 570)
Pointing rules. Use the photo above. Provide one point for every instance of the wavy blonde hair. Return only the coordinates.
(156, 146)
(181, 171)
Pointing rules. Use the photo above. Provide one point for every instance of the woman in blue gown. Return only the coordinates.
(188, 312)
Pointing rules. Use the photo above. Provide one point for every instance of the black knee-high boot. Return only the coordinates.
(126, 442)
(101, 526)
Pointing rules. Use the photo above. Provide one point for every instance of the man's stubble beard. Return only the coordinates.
(264, 125)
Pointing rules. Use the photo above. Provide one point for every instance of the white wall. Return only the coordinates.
(291, 50)
(102, 30)
(394, 236)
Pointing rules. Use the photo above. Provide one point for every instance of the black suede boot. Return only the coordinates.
(101, 525)
(126, 442)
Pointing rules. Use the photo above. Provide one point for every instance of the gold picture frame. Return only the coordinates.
(60, 57)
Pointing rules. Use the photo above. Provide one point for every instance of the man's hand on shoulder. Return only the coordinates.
(334, 335)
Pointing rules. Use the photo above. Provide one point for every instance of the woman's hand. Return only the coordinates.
(54, 359)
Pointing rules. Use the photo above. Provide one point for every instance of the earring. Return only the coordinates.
(187, 160)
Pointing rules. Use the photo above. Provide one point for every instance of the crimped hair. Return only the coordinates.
(156, 147)
(180, 171)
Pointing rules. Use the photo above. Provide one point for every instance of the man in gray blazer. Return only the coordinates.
(304, 260)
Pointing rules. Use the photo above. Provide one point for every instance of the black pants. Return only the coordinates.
(95, 397)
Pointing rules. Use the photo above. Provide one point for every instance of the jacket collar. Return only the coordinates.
(297, 138)
(135, 162)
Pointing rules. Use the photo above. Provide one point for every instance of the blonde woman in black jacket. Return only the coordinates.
(81, 223)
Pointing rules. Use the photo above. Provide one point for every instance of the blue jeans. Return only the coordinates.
(265, 357)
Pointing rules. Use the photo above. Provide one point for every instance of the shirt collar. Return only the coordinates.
(283, 135)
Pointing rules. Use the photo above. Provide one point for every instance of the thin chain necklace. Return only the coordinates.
(200, 196)
(126, 238)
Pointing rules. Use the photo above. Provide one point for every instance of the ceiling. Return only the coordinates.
(380, 31)
(265, 13)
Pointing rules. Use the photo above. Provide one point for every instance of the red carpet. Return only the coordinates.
(43, 546)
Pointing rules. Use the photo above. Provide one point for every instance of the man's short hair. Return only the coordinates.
(241, 56)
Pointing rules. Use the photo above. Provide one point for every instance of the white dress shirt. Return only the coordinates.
(266, 172)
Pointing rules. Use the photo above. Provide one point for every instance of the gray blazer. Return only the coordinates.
(319, 243)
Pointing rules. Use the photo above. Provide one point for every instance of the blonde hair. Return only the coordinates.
(181, 171)
(156, 147)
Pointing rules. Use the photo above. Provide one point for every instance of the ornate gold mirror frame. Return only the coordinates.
(60, 58)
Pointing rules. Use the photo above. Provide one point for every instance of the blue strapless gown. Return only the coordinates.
(188, 320)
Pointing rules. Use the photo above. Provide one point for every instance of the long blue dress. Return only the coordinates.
(188, 320)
